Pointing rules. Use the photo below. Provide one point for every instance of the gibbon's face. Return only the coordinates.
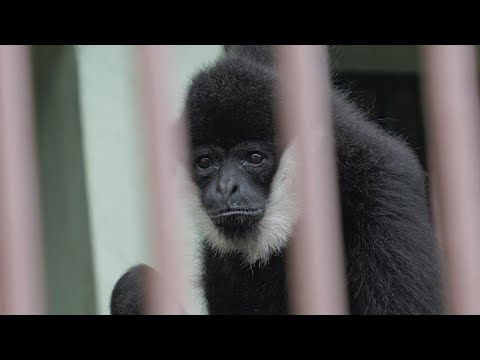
(234, 183)
(230, 111)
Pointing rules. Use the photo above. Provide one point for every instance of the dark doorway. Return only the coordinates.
(392, 100)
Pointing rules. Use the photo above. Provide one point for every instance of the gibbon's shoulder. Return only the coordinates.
(365, 149)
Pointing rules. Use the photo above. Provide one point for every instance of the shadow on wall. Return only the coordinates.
(66, 229)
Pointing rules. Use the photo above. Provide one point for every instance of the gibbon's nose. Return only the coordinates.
(227, 185)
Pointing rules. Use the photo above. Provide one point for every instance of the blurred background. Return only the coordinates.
(91, 164)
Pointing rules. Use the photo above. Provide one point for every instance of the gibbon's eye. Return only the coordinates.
(255, 158)
(204, 163)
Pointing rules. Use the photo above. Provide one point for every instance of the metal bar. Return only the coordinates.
(21, 281)
(453, 116)
(166, 146)
(316, 274)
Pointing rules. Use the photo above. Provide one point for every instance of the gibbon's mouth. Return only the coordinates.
(236, 215)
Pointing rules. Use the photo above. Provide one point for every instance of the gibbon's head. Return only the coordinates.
(244, 196)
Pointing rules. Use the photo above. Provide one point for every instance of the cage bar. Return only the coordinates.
(165, 147)
(21, 279)
(452, 108)
(316, 274)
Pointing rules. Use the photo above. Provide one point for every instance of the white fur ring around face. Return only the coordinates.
(276, 227)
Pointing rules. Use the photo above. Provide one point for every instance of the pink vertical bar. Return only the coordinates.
(166, 146)
(316, 274)
(453, 116)
(21, 290)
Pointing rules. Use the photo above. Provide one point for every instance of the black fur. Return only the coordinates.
(391, 252)
(128, 296)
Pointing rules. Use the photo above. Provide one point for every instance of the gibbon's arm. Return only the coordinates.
(128, 295)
